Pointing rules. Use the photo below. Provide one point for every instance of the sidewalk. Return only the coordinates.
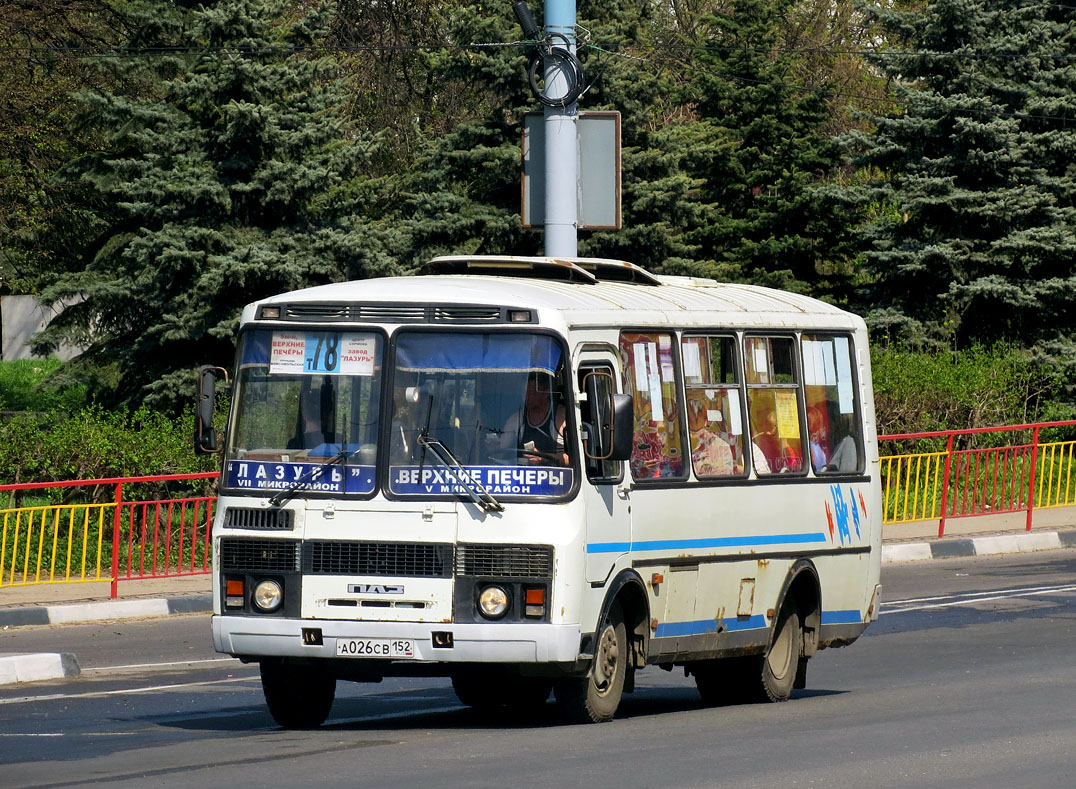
(62, 604)
(980, 536)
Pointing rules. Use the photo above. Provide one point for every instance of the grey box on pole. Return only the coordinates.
(598, 150)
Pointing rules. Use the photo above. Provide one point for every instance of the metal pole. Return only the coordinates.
(561, 157)
(945, 484)
(1031, 477)
(115, 590)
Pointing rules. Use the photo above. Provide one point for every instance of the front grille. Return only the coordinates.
(389, 313)
(395, 559)
(466, 315)
(323, 312)
(505, 561)
(259, 556)
(394, 313)
(241, 518)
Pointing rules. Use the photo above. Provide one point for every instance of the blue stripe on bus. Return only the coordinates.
(704, 626)
(757, 622)
(710, 542)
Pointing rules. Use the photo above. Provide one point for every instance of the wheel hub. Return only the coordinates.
(605, 664)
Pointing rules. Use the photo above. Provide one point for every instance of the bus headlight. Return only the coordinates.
(493, 602)
(268, 595)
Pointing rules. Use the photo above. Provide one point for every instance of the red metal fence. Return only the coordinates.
(981, 471)
(106, 529)
(142, 527)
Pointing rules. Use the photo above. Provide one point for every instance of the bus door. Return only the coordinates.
(608, 507)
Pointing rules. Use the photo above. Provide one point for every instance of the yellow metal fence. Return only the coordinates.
(90, 541)
(954, 483)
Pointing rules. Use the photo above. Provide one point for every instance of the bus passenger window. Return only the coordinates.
(773, 405)
(832, 404)
(715, 428)
(650, 379)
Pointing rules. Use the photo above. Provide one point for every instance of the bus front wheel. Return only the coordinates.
(595, 698)
(299, 697)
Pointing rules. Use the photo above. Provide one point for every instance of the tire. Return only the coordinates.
(299, 696)
(781, 661)
(595, 697)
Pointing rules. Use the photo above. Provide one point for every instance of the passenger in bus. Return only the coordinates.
(780, 455)
(816, 433)
(308, 433)
(537, 431)
(711, 455)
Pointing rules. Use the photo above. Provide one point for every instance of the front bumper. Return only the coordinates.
(503, 642)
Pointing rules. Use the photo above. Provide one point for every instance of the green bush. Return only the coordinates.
(93, 443)
(918, 391)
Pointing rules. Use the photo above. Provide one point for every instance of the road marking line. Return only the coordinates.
(974, 594)
(164, 665)
(122, 691)
(982, 599)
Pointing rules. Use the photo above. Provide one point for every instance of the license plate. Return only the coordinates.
(375, 647)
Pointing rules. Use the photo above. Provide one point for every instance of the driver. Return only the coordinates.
(537, 432)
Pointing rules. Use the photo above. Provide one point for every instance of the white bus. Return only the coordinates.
(538, 475)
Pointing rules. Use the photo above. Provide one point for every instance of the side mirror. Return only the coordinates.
(623, 427)
(205, 435)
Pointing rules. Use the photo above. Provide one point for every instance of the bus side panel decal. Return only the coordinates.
(703, 626)
(709, 542)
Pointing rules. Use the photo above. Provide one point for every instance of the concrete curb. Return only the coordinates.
(75, 613)
(978, 546)
(37, 667)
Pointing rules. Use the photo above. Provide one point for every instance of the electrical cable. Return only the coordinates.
(550, 59)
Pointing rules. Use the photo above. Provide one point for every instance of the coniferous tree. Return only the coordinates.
(637, 75)
(219, 178)
(758, 144)
(973, 237)
(37, 221)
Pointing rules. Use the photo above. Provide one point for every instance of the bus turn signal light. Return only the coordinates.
(535, 602)
(234, 593)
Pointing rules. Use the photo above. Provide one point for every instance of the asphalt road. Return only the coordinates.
(968, 679)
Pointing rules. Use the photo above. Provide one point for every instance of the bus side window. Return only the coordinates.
(715, 428)
(597, 382)
(650, 379)
(773, 404)
(833, 418)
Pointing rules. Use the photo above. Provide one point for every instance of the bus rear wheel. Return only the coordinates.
(781, 661)
(299, 696)
(595, 697)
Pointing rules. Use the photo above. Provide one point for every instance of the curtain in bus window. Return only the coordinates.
(650, 379)
(833, 424)
(715, 427)
(430, 352)
(773, 404)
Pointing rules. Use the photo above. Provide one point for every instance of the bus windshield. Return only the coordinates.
(466, 411)
(304, 398)
(494, 402)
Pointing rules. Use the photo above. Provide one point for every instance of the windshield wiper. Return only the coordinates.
(478, 492)
(286, 495)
